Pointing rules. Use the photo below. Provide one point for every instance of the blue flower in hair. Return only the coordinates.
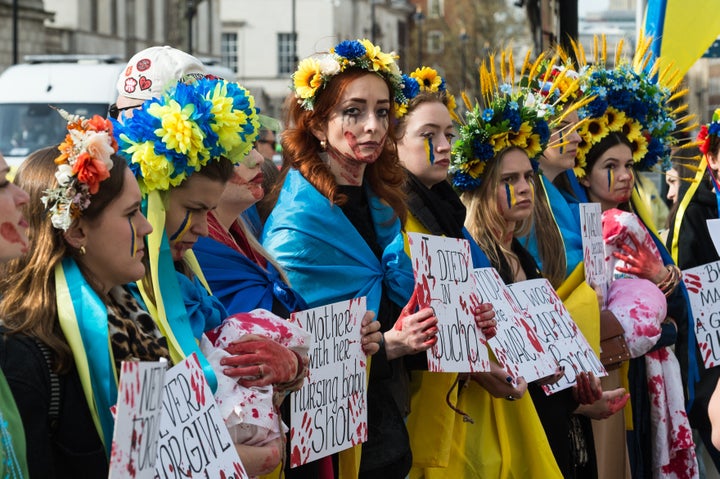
(487, 114)
(465, 182)
(482, 149)
(411, 87)
(350, 49)
(512, 115)
(543, 131)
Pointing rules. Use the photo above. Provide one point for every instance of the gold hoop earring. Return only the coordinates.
(323, 144)
(82, 251)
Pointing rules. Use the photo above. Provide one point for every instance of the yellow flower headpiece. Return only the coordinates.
(191, 124)
(513, 116)
(425, 79)
(634, 99)
(314, 72)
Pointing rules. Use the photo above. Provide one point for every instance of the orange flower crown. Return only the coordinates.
(83, 163)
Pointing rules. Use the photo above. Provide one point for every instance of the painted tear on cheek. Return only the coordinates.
(429, 150)
(510, 194)
(611, 179)
(561, 148)
(9, 233)
(184, 227)
(133, 235)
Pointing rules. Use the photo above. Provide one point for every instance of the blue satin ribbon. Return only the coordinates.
(80, 310)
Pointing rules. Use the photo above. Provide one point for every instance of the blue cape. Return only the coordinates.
(239, 283)
(325, 257)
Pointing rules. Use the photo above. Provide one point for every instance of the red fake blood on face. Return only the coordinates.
(9, 233)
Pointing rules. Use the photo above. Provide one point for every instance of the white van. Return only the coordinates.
(80, 84)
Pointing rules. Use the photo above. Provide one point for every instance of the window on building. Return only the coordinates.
(435, 41)
(435, 8)
(286, 53)
(228, 50)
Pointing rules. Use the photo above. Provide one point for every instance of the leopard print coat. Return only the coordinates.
(134, 335)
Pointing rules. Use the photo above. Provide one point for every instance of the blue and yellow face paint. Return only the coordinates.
(561, 148)
(429, 150)
(133, 237)
(184, 227)
(510, 194)
(611, 179)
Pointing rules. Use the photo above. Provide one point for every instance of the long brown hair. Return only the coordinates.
(301, 149)
(549, 239)
(484, 219)
(28, 304)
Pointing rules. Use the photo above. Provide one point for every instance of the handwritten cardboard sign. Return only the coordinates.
(557, 331)
(516, 346)
(593, 246)
(444, 282)
(329, 413)
(703, 286)
(194, 441)
(137, 419)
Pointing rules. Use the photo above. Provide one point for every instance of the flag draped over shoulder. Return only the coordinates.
(680, 32)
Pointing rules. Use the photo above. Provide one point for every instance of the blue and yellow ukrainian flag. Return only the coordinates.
(681, 31)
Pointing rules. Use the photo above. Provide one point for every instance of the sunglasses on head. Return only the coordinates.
(114, 111)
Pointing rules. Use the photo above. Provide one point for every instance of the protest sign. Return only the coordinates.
(137, 419)
(703, 286)
(593, 246)
(516, 346)
(557, 331)
(444, 282)
(329, 412)
(194, 441)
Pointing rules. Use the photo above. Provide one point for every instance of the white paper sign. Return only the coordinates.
(444, 282)
(329, 413)
(516, 346)
(137, 420)
(703, 286)
(593, 246)
(557, 331)
(194, 441)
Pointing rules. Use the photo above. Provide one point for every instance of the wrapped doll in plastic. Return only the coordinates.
(641, 307)
(250, 412)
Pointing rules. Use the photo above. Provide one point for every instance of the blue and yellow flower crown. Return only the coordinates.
(314, 72)
(633, 99)
(192, 123)
(84, 162)
(512, 117)
(424, 79)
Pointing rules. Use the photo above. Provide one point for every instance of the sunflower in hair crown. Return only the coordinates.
(708, 131)
(84, 162)
(633, 99)
(424, 80)
(191, 124)
(314, 73)
(512, 117)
